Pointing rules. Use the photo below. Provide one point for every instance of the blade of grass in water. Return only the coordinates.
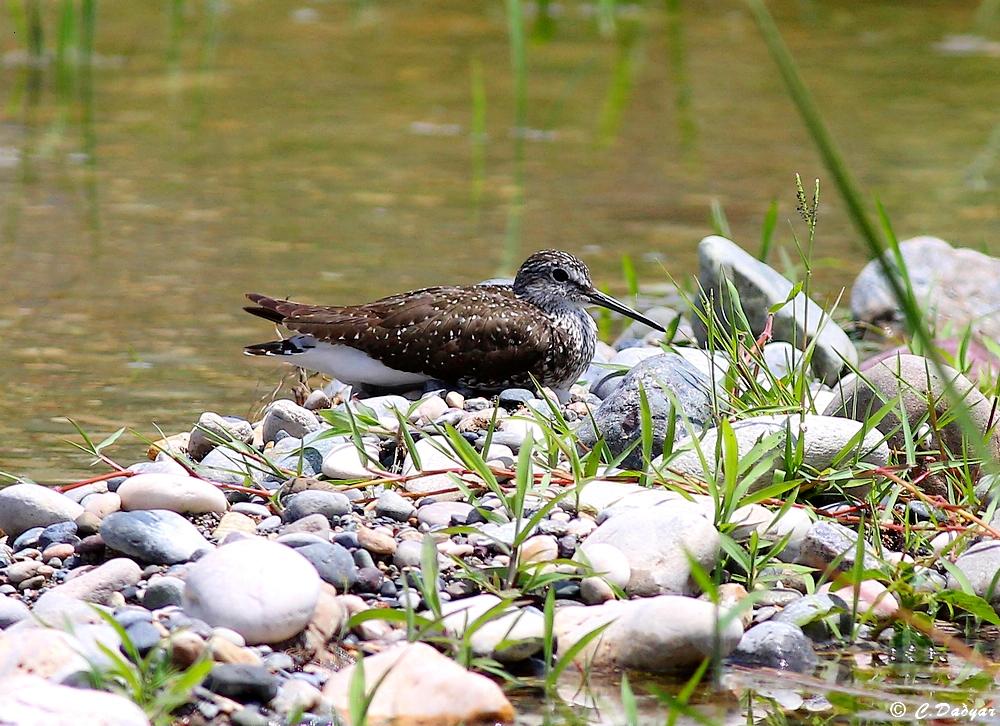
(719, 222)
(478, 135)
(767, 230)
(518, 64)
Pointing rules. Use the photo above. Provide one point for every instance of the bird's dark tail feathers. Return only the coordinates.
(289, 346)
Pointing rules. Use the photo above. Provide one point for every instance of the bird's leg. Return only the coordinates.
(301, 389)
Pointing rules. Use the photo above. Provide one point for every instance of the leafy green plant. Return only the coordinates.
(152, 681)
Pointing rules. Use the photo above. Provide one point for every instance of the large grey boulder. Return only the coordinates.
(760, 287)
(956, 286)
(619, 417)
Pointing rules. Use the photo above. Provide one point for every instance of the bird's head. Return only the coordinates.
(553, 280)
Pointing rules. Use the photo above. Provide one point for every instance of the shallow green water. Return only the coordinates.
(327, 151)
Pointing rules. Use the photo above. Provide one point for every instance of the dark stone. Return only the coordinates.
(619, 418)
(154, 535)
(778, 645)
(242, 683)
(821, 616)
(369, 580)
(760, 287)
(62, 532)
(347, 539)
(513, 398)
(567, 590)
(388, 589)
(28, 538)
(333, 563)
(163, 591)
(332, 505)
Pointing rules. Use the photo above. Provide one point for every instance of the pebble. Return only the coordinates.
(242, 683)
(441, 514)
(408, 554)
(12, 611)
(980, 565)
(25, 506)
(332, 505)
(540, 548)
(394, 506)
(162, 592)
(344, 461)
(100, 505)
(333, 563)
(182, 494)
(157, 536)
(263, 590)
(213, 430)
(233, 522)
(376, 542)
(774, 644)
(831, 545)
(144, 636)
(63, 532)
(821, 616)
(296, 696)
(102, 583)
(287, 416)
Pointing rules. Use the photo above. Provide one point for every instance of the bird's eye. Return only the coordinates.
(560, 275)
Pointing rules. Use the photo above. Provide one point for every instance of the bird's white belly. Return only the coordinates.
(350, 365)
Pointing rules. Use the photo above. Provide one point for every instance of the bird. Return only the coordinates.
(486, 337)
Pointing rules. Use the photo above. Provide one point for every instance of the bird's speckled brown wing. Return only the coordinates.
(477, 335)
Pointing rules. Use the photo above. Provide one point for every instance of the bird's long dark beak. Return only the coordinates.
(599, 298)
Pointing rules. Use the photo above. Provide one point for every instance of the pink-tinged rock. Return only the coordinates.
(874, 598)
(419, 686)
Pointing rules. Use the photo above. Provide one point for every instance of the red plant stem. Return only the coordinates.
(92, 480)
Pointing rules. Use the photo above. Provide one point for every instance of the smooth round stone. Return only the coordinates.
(408, 553)
(287, 416)
(512, 398)
(331, 505)
(182, 494)
(251, 509)
(157, 536)
(606, 562)
(162, 592)
(102, 584)
(63, 532)
(776, 645)
(24, 506)
(264, 591)
(820, 616)
(12, 611)
(394, 506)
(101, 504)
(212, 429)
(144, 636)
(333, 563)
(242, 683)
(439, 514)
(28, 538)
(344, 461)
(377, 542)
(28, 699)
